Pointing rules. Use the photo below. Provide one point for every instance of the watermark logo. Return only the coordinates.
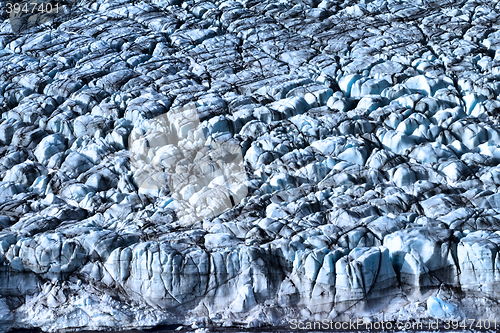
(26, 14)
(177, 156)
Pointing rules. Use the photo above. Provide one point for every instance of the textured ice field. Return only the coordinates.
(249, 163)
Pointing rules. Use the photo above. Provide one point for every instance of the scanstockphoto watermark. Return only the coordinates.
(198, 167)
(409, 325)
(356, 325)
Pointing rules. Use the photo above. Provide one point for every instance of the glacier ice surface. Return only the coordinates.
(221, 163)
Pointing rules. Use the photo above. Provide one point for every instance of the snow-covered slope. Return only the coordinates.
(250, 162)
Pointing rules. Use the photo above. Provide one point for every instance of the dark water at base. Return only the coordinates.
(269, 329)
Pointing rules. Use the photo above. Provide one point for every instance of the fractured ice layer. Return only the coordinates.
(249, 162)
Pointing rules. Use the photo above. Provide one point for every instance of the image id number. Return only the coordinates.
(32, 8)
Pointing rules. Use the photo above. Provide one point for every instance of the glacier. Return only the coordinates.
(210, 163)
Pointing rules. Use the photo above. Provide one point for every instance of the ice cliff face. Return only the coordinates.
(249, 162)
